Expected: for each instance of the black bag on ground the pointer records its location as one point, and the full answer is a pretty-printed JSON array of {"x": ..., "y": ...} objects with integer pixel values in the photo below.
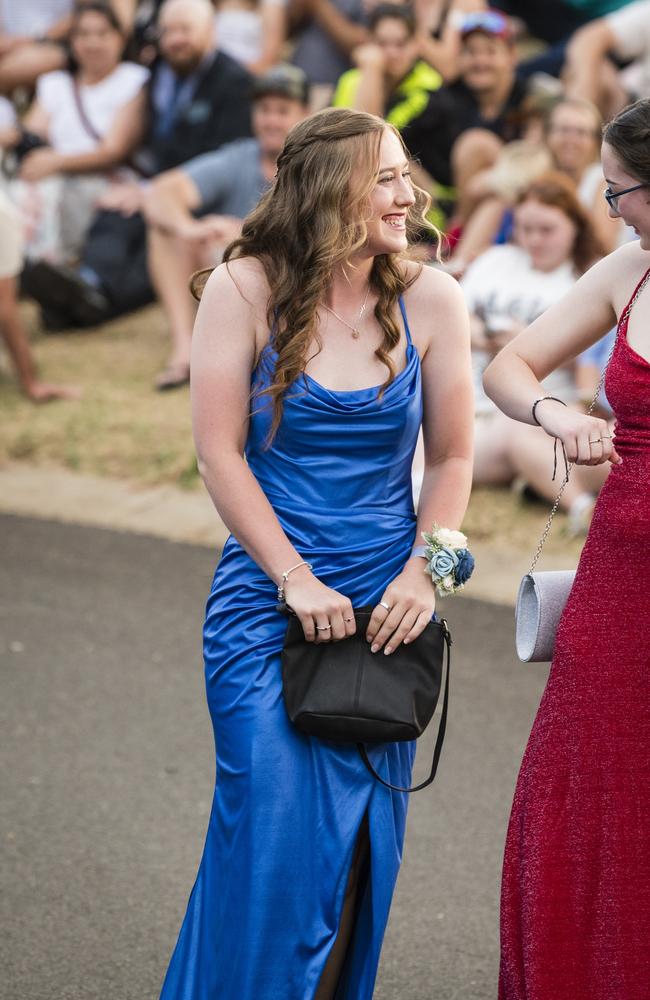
[{"x": 340, "y": 691}]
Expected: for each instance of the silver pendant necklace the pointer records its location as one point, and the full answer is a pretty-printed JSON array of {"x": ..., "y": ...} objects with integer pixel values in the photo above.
[{"x": 354, "y": 329}]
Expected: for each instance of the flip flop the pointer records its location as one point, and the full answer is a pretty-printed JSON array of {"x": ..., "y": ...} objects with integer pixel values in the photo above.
[{"x": 173, "y": 377}]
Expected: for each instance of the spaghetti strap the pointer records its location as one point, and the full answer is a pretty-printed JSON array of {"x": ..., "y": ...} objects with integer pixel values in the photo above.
[
  {"x": 406, "y": 322},
  {"x": 625, "y": 314}
]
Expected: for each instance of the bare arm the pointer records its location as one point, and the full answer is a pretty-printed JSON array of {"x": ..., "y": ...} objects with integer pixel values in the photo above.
[
  {"x": 585, "y": 55},
  {"x": 371, "y": 88},
  {"x": 346, "y": 33},
  {"x": 59, "y": 30},
  {"x": 220, "y": 388},
  {"x": 274, "y": 35},
  {"x": 583, "y": 316},
  {"x": 448, "y": 421}
]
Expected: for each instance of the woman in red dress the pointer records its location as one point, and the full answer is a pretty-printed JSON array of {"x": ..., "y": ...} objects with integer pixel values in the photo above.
[{"x": 575, "y": 906}]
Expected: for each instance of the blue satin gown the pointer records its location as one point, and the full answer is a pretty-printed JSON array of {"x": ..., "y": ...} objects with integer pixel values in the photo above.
[{"x": 265, "y": 909}]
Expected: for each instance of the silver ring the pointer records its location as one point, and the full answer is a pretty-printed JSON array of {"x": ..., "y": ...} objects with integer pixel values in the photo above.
[
  {"x": 383, "y": 604},
  {"x": 597, "y": 441},
  {"x": 322, "y": 628},
  {"x": 606, "y": 437}
]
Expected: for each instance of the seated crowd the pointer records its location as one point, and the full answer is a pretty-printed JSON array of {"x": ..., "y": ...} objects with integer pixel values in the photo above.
[{"x": 136, "y": 136}]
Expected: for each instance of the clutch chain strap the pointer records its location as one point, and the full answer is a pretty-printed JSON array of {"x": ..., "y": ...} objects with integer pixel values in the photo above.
[{"x": 601, "y": 383}]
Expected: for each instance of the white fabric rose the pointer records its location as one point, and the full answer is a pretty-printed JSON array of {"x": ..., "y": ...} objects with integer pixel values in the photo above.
[{"x": 451, "y": 539}]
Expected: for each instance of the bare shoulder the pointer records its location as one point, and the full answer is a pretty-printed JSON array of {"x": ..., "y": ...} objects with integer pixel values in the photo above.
[
  {"x": 625, "y": 269},
  {"x": 243, "y": 277},
  {"x": 611, "y": 281},
  {"x": 434, "y": 303},
  {"x": 238, "y": 293}
]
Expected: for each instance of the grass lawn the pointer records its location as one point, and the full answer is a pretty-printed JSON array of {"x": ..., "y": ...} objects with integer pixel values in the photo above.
[{"x": 123, "y": 428}]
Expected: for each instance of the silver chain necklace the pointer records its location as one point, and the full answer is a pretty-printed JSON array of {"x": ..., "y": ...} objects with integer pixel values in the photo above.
[{"x": 354, "y": 329}]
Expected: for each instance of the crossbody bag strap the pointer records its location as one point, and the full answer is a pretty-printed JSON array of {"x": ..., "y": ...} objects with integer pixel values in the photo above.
[
  {"x": 92, "y": 131},
  {"x": 440, "y": 738},
  {"x": 81, "y": 111},
  {"x": 601, "y": 383}
]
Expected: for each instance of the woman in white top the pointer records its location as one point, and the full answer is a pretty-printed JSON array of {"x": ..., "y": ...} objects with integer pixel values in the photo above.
[
  {"x": 90, "y": 119},
  {"x": 506, "y": 289},
  {"x": 253, "y": 32}
]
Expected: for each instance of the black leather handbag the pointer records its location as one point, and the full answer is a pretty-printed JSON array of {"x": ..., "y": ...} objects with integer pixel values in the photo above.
[{"x": 341, "y": 691}]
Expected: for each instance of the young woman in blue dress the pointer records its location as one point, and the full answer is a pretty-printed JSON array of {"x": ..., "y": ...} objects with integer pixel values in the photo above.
[{"x": 319, "y": 351}]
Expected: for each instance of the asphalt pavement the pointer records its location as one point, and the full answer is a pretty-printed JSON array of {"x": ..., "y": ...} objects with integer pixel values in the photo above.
[{"x": 107, "y": 775}]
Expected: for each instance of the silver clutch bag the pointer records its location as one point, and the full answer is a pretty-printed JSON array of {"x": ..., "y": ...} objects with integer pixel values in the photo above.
[
  {"x": 542, "y": 596},
  {"x": 540, "y": 603}
]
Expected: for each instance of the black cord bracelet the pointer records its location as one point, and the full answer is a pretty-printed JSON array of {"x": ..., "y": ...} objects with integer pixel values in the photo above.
[{"x": 541, "y": 400}]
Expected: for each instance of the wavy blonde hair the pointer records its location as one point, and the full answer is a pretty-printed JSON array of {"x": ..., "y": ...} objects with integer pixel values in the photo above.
[{"x": 313, "y": 219}]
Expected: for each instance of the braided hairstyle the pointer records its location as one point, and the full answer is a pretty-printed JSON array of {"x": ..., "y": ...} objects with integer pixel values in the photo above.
[
  {"x": 312, "y": 220},
  {"x": 629, "y": 136}
]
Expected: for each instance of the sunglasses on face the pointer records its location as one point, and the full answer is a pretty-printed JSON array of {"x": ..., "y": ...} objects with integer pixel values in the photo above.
[{"x": 611, "y": 197}]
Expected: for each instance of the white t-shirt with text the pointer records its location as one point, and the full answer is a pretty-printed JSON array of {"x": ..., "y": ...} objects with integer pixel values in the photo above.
[{"x": 502, "y": 286}]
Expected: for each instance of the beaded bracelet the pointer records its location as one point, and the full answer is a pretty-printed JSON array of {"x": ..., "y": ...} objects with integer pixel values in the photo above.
[{"x": 285, "y": 576}]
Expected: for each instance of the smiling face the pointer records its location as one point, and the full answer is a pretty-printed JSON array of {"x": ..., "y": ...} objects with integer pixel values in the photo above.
[
  {"x": 546, "y": 233},
  {"x": 273, "y": 117},
  {"x": 390, "y": 199},
  {"x": 573, "y": 137},
  {"x": 633, "y": 208},
  {"x": 486, "y": 63}
]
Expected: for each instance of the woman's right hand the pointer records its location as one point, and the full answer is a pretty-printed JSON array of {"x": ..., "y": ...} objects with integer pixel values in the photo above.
[
  {"x": 586, "y": 439},
  {"x": 324, "y": 614}
]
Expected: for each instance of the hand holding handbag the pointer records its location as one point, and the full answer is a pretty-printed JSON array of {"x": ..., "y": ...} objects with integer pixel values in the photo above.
[
  {"x": 543, "y": 595},
  {"x": 340, "y": 691}
]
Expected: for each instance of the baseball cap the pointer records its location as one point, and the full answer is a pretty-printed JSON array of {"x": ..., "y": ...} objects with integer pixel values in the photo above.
[
  {"x": 490, "y": 22},
  {"x": 282, "y": 80}
]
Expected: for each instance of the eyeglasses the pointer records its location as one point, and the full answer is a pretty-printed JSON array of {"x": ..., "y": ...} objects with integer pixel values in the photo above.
[{"x": 611, "y": 197}]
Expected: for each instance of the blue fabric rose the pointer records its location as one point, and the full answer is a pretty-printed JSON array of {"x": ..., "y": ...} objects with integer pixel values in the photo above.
[
  {"x": 443, "y": 563},
  {"x": 465, "y": 566}
]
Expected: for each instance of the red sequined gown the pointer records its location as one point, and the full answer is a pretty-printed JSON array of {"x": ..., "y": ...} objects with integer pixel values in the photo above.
[{"x": 575, "y": 904}]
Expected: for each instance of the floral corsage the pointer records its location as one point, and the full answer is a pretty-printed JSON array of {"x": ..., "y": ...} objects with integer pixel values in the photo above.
[{"x": 448, "y": 560}]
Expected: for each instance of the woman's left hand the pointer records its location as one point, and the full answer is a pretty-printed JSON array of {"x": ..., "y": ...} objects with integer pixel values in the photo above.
[{"x": 411, "y": 598}]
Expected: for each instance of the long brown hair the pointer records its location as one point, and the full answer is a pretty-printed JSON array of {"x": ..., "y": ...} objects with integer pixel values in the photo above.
[
  {"x": 629, "y": 136},
  {"x": 557, "y": 191},
  {"x": 312, "y": 220}
]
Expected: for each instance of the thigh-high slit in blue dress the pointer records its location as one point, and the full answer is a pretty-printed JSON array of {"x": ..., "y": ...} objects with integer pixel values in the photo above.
[{"x": 265, "y": 909}]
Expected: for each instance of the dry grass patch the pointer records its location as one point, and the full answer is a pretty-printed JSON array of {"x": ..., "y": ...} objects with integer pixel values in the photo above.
[
  {"x": 125, "y": 429},
  {"x": 122, "y": 427}
]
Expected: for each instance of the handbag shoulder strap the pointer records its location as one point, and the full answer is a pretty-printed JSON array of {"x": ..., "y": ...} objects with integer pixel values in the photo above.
[
  {"x": 441, "y": 730},
  {"x": 590, "y": 410},
  {"x": 88, "y": 126}
]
